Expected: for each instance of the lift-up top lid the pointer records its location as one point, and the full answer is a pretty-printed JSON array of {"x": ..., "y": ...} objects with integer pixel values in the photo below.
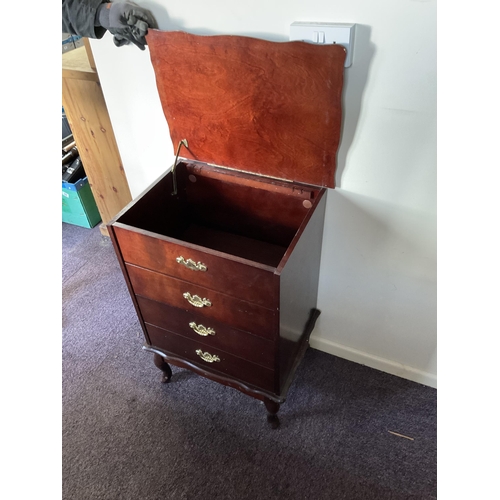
[{"x": 270, "y": 108}]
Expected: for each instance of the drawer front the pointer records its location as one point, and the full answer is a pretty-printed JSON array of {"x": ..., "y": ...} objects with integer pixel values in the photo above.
[
  {"x": 211, "y": 333},
  {"x": 233, "y": 278},
  {"x": 239, "y": 314},
  {"x": 223, "y": 363}
]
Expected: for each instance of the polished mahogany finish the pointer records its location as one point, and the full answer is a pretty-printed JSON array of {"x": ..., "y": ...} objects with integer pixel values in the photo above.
[
  {"x": 236, "y": 367},
  {"x": 237, "y": 313},
  {"x": 252, "y": 282},
  {"x": 223, "y": 269},
  {"x": 160, "y": 363},
  {"x": 260, "y": 337},
  {"x": 189, "y": 324},
  {"x": 269, "y": 108}
]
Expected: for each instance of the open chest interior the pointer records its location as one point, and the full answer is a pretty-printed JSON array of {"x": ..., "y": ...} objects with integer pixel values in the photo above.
[{"x": 234, "y": 213}]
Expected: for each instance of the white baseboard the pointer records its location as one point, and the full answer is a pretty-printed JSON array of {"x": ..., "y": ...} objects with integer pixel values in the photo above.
[{"x": 381, "y": 364}]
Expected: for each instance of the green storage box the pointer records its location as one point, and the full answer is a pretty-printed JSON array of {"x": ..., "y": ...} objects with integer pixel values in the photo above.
[{"x": 78, "y": 204}]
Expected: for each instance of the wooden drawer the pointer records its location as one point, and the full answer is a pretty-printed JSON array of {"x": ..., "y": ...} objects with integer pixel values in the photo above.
[
  {"x": 239, "y": 314},
  {"x": 253, "y": 283},
  {"x": 233, "y": 366},
  {"x": 241, "y": 344}
]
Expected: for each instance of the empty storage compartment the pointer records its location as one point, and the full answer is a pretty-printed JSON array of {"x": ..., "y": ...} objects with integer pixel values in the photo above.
[{"x": 227, "y": 211}]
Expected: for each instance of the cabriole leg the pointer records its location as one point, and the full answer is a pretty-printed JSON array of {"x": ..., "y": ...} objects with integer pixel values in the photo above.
[
  {"x": 272, "y": 408},
  {"x": 164, "y": 367}
]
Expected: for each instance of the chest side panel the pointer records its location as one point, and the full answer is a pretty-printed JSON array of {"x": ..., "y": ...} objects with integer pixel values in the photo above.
[{"x": 298, "y": 294}]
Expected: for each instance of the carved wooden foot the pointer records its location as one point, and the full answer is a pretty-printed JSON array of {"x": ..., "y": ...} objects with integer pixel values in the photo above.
[
  {"x": 164, "y": 367},
  {"x": 272, "y": 408}
]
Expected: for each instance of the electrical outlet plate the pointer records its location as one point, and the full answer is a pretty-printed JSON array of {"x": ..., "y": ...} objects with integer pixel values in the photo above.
[{"x": 323, "y": 33}]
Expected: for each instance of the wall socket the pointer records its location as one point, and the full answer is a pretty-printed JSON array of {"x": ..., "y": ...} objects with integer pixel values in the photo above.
[{"x": 324, "y": 33}]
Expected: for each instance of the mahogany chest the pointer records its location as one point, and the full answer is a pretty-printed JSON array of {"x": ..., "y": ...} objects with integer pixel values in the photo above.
[{"x": 221, "y": 254}]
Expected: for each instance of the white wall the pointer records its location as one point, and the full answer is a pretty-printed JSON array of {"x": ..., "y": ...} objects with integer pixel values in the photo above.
[{"x": 378, "y": 269}]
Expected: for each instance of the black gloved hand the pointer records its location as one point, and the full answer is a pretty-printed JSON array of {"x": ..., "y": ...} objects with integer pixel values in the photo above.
[
  {"x": 125, "y": 36},
  {"x": 126, "y": 21}
]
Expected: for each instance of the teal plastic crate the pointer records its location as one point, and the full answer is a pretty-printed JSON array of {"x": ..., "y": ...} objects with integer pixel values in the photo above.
[{"x": 78, "y": 204}]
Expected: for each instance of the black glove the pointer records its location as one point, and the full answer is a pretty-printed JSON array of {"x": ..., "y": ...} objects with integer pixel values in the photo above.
[
  {"x": 126, "y": 21},
  {"x": 125, "y": 36}
]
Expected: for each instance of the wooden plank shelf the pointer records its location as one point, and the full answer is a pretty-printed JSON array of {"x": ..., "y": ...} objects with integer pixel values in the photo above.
[{"x": 88, "y": 117}]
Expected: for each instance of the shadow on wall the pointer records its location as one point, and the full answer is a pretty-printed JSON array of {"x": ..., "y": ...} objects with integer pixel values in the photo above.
[
  {"x": 377, "y": 289},
  {"x": 355, "y": 78},
  {"x": 162, "y": 16}
]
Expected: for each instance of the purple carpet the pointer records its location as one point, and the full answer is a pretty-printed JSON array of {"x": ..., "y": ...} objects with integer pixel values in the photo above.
[{"x": 127, "y": 436}]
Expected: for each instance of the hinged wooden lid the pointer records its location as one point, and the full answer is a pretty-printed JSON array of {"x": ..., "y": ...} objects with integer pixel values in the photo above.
[{"x": 270, "y": 108}]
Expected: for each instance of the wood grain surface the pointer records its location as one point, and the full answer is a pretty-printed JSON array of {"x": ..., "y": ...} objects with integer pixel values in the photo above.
[
  {"x": 244, "y": 345},
  {"x": 264, "y": 107},
  {"x": 235, "y": 312},
  {"x": 231, "y": 365},
  {"x": 230, "y": 277},
  {"x": 89, "y": 120}
]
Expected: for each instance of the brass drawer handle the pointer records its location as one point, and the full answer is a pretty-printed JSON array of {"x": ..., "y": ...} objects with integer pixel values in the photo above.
[
  {"x": 196, "y": 301},
  {"x": 206, "y": 356},
  {"x": 202, "y": 330},
  {"x": 191, "y": 264}
]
